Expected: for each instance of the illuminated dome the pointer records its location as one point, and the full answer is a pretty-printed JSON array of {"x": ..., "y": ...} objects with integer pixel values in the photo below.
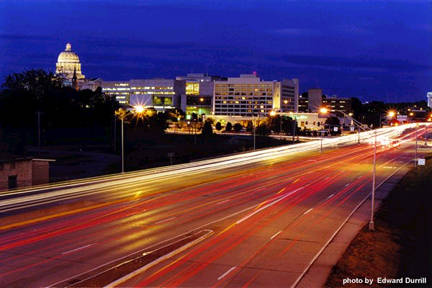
[{"x": 68, "y": 63}]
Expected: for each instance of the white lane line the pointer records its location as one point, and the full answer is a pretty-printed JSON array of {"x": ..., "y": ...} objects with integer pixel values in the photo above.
[
  {"x": 268, "y": 205},
  {"x": 77, "y": 249},
  {"x": 226, "y": 273},
  {"x": 219, "y": 203},
  {"x": 308, "y": 211},
  {"x": 294, "y": 285},
  {"x": 165, "y": 220},
  {"x": 159, "y": 260},
  {"x": 330, "y": 196},
  {"x": 271, "y": 238},
  {"x": 347, "y": 184}
]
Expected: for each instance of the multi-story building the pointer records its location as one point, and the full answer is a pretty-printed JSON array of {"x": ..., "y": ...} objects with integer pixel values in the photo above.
[
  {"x": 289, "y": 96},
  {"x": 335, "y": 104},
  {"x": 303, "y": 100},
  {"x": 160, "y": 94},
  {"x": 314, "y": 99},
  {"x": 198, "y": 96},
  {"x": 429, "y": 99},
  {"x": 310, "y": 102},
  {"x": 118, "y": 89},
  {"x": 245, "y": 96}
]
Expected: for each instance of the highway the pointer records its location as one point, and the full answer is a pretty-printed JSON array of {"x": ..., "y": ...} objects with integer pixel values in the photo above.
[{"x": 255, "y": 219}]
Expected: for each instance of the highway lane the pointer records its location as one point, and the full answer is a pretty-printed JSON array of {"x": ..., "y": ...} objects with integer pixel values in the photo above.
[
  {"x": 271, "y": 248},
  {"x": 133, "y": 218}
]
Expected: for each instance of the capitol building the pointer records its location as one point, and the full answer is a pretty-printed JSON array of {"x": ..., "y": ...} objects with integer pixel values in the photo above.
[{"x": 68, "y": 64}]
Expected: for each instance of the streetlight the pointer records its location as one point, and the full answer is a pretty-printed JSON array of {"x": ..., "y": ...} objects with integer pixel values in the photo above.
[
  {"x": 122, "y": 114},
  {"x": 391, "y": 113},
  {"x": 415, "y": 155},
  {"x": 322, "y": 110},
  {"x": 371, "y": 221}
]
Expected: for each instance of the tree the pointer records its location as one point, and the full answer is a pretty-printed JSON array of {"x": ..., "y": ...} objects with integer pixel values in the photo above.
[
  {"x": 276, "y": 123},
  {"x": 238, "y": 127},
  {"x": 228, "y": 127},
  {"x": 331, "y": 123},
  {"x": 249, "y": 126},
  {"x": 262, "y": 129},
  {"x": 207, "y": 129},
  {"x": 218, "y": 126}
]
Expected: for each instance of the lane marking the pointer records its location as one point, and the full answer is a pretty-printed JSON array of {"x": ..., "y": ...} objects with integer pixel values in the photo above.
[
  {"x": 159, "y": 260},
  {"x": 330, "y": 196},
  {"x": 165, "y": 220},
  {"x": 347, "y": 184},
  {"x": 219, "y": 203},
  {"x": 77, "y": 249},
  {"x": 307, "y": 268},
  {"x": 271, "y": 238},
  {"x": 268, "y": 205},
  {"x": 226, "y": 273},
  {"x": 308, "y": 211}
]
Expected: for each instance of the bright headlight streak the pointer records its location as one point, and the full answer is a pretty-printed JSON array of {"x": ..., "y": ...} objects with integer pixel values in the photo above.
[{"x": 211, "y": 164}]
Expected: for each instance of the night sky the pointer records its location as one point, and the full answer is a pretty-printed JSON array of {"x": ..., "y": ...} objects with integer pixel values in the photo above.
[{"x": 373, "y": 50}]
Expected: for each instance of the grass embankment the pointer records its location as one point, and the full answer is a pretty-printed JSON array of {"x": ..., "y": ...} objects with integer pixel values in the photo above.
[{"x": 401, "y": 244}]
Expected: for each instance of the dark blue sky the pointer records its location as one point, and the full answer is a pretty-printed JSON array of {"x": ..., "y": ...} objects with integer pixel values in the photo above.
[{"x": 377, "y": 49}]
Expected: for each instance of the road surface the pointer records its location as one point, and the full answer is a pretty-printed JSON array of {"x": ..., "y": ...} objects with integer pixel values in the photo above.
[{"x": 250, "y": 222}]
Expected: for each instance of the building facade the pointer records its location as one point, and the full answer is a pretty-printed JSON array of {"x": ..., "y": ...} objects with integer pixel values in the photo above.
[
  {"x": 335, "y": 104},
  {"x": 246, "y": 96},
  {"x": 429, "y": 99},
  {"x": 314, "y": 99},
  {"x": 289, "y": 96},
  {"x": 16, "y": 172},
  {"x": 120, "y": 90},
  {"x": 160, "y": 94},
  {"x": 198, "y": 96}
]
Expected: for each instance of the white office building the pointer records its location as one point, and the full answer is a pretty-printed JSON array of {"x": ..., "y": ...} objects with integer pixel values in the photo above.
[
  {"x": 160, "y": 94},
  {"x": 429, "y": 99},
  {"x": 245, "y": 96}
]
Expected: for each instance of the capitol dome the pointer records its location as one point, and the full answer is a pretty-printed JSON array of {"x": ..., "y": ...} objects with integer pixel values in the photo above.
[{"x": 68, "y": 63}]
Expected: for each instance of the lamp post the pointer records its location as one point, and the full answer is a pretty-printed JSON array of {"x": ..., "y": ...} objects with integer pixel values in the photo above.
[
  {"x": 322, "y": 110},
  {"x": 121, "y": 114},
  {"x": 371, "y": 221},
  {"x": 416, "y": 141},
  {"x": 122, "y": 146}
]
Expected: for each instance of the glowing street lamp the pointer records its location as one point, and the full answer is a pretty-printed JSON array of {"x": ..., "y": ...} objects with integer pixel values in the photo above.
[
  {"x": 323, "y": 110},
  {"x": 139, "y": 109},
  {"x": 391, "y": 113},
  {"x": 273, "y": 113}
]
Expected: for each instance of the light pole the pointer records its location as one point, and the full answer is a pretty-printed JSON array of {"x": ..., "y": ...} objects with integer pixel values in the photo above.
[
  {"x": 371, "y": 221},
  {"x": 121, "y": 114},
  {"x": 415, "y": 155},
  {"x": 321, "y": 143},
  {"x": 122, "y": 146}
]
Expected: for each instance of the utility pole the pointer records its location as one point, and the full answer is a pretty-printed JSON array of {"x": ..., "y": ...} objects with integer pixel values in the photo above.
[
  {"x": 371, "y": 222},
  {"x": 415, "y": 155},
  {"x": 122, "y": 147},
  {"x": 321, "y": 143}
]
